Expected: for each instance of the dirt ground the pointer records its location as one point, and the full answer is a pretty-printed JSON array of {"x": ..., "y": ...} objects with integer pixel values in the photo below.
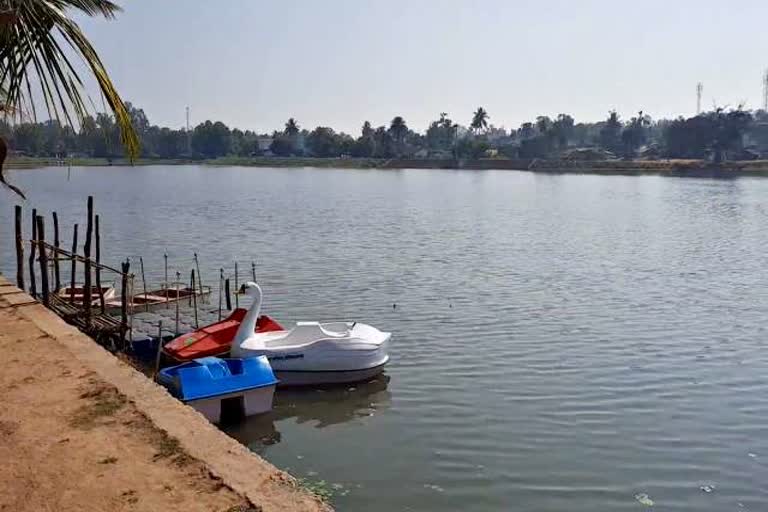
[{"x": 69, "y": 441}]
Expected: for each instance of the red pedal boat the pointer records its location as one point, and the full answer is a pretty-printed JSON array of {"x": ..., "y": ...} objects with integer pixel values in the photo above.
[{"x": 215, "y": 339}]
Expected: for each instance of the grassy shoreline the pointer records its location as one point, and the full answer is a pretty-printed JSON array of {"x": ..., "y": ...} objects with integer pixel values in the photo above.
[{"x": 603, "y": 167}]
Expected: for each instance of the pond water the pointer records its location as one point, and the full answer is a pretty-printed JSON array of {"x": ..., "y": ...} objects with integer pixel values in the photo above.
[{"x": 561, "y": 342}]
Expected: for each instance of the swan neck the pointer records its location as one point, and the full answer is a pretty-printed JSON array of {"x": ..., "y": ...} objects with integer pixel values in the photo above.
[{"x": 248, "y": 326}]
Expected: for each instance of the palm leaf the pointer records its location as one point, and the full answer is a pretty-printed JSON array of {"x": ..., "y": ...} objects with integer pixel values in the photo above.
[{"x": 37, "y": 41}]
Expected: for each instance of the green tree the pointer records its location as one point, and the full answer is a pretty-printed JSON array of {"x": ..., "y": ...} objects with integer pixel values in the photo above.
[
  {"x": 38, "y": 41},
  {"x": 324, "y": 142},
  {"x": 543, "y": 124},
  {"x": 526, "y": 131},
  {"x": 479, "y": 120},
  {"x": 365, "y": 145},
  {"x": 441, "y": 134},
  {"x": 292, "y": 127},
  {"x": 398, "y": 130},
  {"x": 634, "y": 134},
  {"x": 610, "y": 133},
  {"x": 211, "y": 140},
  {"x": 563, "y": 128}
]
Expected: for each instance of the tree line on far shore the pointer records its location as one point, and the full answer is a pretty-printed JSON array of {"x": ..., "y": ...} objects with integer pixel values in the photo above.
[{"x": 720, "y": 134}]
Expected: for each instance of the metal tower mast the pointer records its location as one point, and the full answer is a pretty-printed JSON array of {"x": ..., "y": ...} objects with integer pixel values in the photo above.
[
  {"x": 699, "y": 90},
  {"x": 765, "y": 90},
  {"x": 189, "y": 135}
]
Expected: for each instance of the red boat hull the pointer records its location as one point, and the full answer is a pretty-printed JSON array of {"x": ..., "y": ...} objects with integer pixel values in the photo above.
[{"x": 215, "y": 339}]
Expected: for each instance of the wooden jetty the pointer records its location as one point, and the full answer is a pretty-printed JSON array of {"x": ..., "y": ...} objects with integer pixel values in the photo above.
[
  {"x": 96, "y": 307},
  {"x": 76, "y": 304}
]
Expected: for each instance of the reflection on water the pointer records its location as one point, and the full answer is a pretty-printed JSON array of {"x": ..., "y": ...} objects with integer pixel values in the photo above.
[{"x": 317, "y": 407}]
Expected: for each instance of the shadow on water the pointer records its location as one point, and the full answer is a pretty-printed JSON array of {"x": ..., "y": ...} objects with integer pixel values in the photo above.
[{"x": 322, "y": 407}]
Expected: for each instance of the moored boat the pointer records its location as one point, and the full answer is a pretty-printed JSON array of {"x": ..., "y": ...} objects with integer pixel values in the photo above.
[
  {"x": 152, "y": 300},
  {"x": 313, "y": 353},
  {"x": 214, "y": 339},
  {"x": 76, "y": 294},
  {"x": 211, "y": 384}
]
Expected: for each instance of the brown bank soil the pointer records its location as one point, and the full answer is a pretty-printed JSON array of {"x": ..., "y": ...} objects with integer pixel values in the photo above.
[{"x": 70, "y": 440}]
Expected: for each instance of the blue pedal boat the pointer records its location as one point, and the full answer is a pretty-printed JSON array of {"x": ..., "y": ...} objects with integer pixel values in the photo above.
[{"x": 207, "y": 383}]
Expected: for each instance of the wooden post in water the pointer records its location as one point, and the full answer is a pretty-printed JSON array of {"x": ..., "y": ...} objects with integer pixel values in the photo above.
[
  {"x": 159, "y": 348},
  {"x": 144, "y": 283},
  {"x": 199, "y": 276},
  {"x": 194, "y": 298},
  {"x": 57, "y": 245},
  {"x": 178, "y": 281},
  {"x": 43, "y": 259},
  {"x": 125, "y": 267},
  {"x": 253, "y": 270},
  {"x": 237, "y": 287},
  {"x": 19, "y": 249},
  {"x": 221, "y": 285},
  {"x": 102, "y": 305},
  {"x": 87, "y": 254},
  {"x": 191, "y": 287},
  {"x": 165, "y": 258},
  {"x": 73, "y": 270},
  {"x": 32, "y": 248},
  {"x": 227, "y": 294}
]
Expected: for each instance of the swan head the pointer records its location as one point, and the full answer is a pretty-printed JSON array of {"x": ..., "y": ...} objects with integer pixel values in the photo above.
[{"x": 251, "y": 289}]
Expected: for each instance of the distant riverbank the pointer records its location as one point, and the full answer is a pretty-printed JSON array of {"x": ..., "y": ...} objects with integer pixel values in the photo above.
[{"x": 603, "y": 167}]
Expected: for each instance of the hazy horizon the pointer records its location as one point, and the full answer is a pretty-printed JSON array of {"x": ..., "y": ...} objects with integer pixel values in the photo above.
[{"x": 339, "y": 63}]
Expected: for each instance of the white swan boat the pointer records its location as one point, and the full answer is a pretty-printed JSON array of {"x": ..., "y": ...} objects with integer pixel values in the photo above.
[{"x": 313, "y": 353}]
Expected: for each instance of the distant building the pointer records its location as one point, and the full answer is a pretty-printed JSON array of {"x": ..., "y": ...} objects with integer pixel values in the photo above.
[{"x": 264, "y": 143}]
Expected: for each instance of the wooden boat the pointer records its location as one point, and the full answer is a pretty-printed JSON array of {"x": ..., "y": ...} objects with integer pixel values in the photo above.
[
  {"x": 153, "y": 300},
  {"x": 76, "y": 295},
  {"x": 214, "y": 339}
]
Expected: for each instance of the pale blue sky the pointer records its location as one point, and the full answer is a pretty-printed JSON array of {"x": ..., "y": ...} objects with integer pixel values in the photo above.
[{"x": 253, "y": 64}]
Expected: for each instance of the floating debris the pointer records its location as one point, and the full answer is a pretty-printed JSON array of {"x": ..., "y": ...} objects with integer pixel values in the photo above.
[
  {"x": 433, "y": 487},
  {"x": 644, "y": 499},
  {"x": 707, "y": 488},
  {"x": 752, "y": 455}
]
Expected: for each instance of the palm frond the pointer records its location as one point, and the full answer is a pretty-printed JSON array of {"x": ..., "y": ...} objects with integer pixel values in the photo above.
[{"x": 37, "y": 44}]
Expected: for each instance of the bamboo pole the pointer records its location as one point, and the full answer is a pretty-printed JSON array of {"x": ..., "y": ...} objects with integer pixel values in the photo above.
[
  {"x": 221, "y": 286},
  {"x": 237, "y": 287},
  {"x": 165, "y": 258},
  {"x": 32, "y": 248},
  {"x": 43, "y": 259},
  {"x": 194, "y": 299},
  {"x": 102, "y": 304},
  {"x": 125, "y": 266},
  {"x": 19, "y": 248},
  {"x": 144, "y": 283},
  {"x": 191, "y": 287},
  {"x": 57, "y": 245},
  {"x": 87, "y": 253},
  {"x": 227, "y": 294},
  {"x": 73, "y": 270},
  {"x": 199, "y": 276},
  {"x": 159, "y": 348},
  {"x": 178, "y": 278}
]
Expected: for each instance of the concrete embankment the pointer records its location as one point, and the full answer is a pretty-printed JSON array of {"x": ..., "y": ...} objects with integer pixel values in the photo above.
[{"x": 82, "y": 431}]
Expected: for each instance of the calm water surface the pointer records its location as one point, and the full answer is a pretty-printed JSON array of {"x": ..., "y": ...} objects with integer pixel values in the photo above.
[{"x": 562, "y": 343}]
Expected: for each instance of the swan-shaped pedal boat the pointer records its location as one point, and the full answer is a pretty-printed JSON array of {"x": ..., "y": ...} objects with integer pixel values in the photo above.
[{"x": 313, "y": 353}]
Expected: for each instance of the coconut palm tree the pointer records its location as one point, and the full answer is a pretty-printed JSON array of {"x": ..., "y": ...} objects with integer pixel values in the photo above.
[
  {"x": 292, "y": 127},
  {"x": 39, "y": 42},
  {"x": 479, "y": 119}
]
